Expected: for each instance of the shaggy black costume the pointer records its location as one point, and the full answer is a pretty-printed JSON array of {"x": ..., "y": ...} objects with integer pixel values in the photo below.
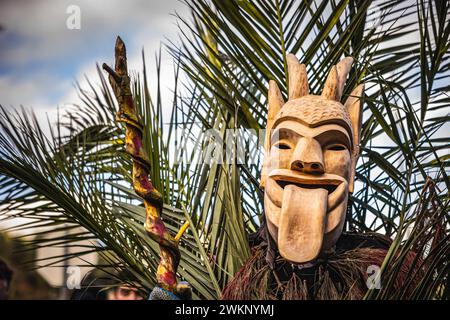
[{"x": 341, "y": 275}]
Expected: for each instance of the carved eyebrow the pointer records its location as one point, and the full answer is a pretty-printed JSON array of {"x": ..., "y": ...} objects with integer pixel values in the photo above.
[
  {"x": 329, "y": 136},
  {"x": 334, "y": 136},
  {"x": 283, "y": 133}
]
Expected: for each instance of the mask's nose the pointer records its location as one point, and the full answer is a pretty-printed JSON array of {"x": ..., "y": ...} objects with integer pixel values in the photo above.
[{"x": 308, "y": 157}]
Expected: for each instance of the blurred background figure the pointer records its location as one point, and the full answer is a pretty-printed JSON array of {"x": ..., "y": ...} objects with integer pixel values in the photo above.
[
  {"x": 126, "y": 287},
  {"x": 27, "y": 283},
  {"x": 124, "y": 292},
  {"x": 5, "y": 280},
  {"x": 98, "y": 285}
]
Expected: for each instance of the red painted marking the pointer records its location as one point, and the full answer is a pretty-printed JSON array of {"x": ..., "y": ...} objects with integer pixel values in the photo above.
[
  {"x": 168, "y": 277},
  {"x": 130, "y": 103},
  {"x": 146, "y": 183},
  {"x": 158, "y": 228},
  {"x": 137, "y": 145}
]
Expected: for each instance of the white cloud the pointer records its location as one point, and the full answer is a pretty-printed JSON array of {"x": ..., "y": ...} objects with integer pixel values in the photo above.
[
  {"x": 41, "y": 33},
  {"x": 59, "y": 56},
  {"x": 30, "y": 91},
  {"x": 134, "y": 53}
]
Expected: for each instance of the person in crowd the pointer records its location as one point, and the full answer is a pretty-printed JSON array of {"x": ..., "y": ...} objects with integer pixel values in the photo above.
[
  {"x": 107, "y": 287},
  {"x": 5, "y": 280}
]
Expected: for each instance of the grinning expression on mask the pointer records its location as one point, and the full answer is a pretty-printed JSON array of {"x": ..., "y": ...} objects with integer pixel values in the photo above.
[{"x": 312, "y": 145}]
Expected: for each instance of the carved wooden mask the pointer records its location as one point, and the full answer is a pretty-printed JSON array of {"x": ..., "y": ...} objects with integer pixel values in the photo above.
[{"x": 311, "y": 150}]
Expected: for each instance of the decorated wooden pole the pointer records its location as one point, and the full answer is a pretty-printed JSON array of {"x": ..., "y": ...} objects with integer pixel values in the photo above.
[{"x": 154, "y": 226}]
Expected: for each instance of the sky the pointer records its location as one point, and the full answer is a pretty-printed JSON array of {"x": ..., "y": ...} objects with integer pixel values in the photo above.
[{"x": 45, "y": 49}]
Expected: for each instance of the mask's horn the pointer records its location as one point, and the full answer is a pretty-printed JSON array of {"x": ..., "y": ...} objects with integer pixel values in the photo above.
[
  {"x": 330, "y": 89},
  {"x": 298, "y": 79},
  {"x": 275, "y": 103},
  {"x": 334, "y": 86},
  {"x": 354, "y": 108},
  {"x": 343, "y": 68}
]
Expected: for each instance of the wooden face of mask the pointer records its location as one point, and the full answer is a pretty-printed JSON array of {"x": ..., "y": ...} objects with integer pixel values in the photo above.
[
  {"x": 307, "y": 188},
  {"x": 309, "y": 166}
]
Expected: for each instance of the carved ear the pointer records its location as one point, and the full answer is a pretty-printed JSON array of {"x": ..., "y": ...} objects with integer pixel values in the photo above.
[
  {"x": 354, "y": 108},
  {"x": 343, "y": 68},
  {"x": 298, "y": 78},
  {"x": 275, "y": 103}
]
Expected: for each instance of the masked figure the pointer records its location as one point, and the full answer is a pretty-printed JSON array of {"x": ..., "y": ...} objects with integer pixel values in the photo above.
[
  {"x": 311, "y": 150},
  {"x": 312, "y": 145}
]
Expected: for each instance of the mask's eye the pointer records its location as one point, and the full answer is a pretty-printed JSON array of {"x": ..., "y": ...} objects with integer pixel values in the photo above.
[
  {"x": 337, "y": 147},
  {"x": 281, "y": 145}
]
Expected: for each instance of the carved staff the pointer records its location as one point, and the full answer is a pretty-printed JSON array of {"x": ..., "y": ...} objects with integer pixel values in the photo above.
[{"x": 154, "y": 226}]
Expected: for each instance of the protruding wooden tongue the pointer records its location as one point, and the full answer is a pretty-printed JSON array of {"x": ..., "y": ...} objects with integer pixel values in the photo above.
[{"x": 302, "y": 223}]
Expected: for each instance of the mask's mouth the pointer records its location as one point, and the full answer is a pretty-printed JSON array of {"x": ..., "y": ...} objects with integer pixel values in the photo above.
[
  {"x": 304, "y": 201},
  {"x": 329, "y": 187},
  {"x": 278, "y": 179}
]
